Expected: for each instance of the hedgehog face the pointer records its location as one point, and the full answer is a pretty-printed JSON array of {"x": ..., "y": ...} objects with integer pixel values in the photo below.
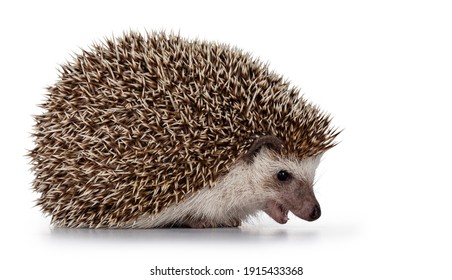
[
  {"x": 294, "y": 183},
  {"x": 289, "y": 183}
]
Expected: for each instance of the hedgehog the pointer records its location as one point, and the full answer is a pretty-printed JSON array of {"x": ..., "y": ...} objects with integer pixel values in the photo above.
[{"x": 150, "y": 130}]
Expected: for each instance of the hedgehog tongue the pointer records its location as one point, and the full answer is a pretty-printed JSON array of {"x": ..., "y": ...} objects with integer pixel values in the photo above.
[{"x": 277, "y": 211}]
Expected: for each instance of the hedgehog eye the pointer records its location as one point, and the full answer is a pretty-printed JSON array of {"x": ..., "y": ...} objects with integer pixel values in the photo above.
[{"x": 283, "y": 175}]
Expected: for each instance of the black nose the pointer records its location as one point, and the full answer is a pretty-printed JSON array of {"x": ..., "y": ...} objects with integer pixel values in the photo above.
[{"x": 316, "y": 212}]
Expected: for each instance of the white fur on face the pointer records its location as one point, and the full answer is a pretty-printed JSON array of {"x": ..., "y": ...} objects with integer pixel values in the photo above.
[{"x": 236, "y": 196}]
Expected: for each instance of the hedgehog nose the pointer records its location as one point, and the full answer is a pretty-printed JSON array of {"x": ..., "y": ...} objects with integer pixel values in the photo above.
[{"x": 316, "y": 212}]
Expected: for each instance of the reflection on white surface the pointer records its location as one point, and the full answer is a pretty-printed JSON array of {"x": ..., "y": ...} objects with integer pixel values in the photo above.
[
  {"x": 246, "y": 233},
  {"x": 176, "y": 234}
]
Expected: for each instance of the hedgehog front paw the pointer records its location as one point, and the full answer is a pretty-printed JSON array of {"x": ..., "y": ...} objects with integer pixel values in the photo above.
[
  {"x": 200, "y": 224},
  {"x": 210, "y": 224},
  {"x": 232, "y": 223}
]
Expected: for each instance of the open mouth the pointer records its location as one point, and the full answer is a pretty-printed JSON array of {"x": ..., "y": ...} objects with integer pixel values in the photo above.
[{"x": 277, "y": 211}]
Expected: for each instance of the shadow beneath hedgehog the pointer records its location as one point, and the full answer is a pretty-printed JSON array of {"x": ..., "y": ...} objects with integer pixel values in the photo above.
[{"x": 245, "y": 233}]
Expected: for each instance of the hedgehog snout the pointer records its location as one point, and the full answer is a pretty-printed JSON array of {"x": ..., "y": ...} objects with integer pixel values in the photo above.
[
  {"x": 315, "y": 213},
  {"x": 299, "y": 198},
  {"x": 309, "y": 211}
]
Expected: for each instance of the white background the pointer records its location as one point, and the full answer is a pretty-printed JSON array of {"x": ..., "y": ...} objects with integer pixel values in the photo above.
[{"x": 383, "y": 69}]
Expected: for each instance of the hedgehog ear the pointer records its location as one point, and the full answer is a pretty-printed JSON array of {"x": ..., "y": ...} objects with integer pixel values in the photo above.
[{"x": 269, "y": 141}]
